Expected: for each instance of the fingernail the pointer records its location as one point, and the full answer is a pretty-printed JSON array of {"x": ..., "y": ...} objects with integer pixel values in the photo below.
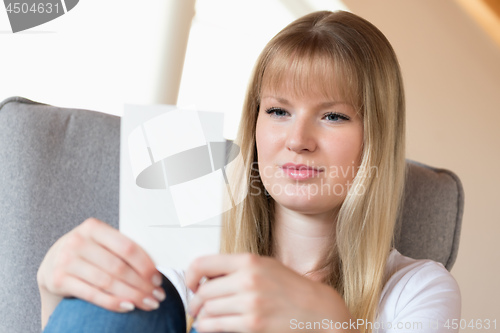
[
  {"x": 157, "y": 280},
  {"x": 159, "y": 294},
  {"x": 151, "y": 303},
  {"x": 127, "y": 306}
]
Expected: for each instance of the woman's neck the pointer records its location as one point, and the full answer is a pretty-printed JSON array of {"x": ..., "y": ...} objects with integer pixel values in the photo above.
[{"x": 301, "y": 241}]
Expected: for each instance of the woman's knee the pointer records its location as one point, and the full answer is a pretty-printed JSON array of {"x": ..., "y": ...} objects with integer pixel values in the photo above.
[{"x": 76, "y": 315}]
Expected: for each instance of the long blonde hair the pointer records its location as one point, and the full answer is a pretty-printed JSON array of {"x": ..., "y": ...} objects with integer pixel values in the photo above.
[{"x": 344, "y": 51}]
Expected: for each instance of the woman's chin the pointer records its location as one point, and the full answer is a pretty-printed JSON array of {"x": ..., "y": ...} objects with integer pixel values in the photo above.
[{"x": 306, "y": 203}]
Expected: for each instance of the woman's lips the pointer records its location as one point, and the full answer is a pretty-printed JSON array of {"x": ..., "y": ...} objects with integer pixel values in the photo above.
[{"x": 300, "y": 171}]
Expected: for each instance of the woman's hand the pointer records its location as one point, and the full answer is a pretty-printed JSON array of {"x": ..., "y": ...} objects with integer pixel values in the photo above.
[
  {"x": 248, "y": 293},
  {"x": 97, "y": 263}
]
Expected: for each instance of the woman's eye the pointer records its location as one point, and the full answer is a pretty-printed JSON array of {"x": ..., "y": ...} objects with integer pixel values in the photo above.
[
  {"x": 278, "y": 112},
  {"x": 336, "y": 117}
]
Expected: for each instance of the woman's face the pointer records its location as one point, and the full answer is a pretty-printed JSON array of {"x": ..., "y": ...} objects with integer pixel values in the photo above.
[{"x": 309, "y": 149}]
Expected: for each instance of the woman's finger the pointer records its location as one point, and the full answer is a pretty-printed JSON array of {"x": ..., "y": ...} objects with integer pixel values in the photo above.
[
  {"x": 124, "y": 248},
  {"x": 103, "y": 281},
  {"x": 91, "y": 294},
  {"x": 114, "y": 266},
  {"x": 232, "y": 305},
  {"x": 218, "y": 265},
  {"x": 234, "y": 323},
  {"x": 215, "y": 288}
]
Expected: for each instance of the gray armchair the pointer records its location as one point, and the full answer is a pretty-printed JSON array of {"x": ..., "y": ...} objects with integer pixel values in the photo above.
[{"x": 60, "y": 166}]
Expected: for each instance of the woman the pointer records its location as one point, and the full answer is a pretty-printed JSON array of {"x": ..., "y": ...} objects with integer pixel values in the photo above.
[{"x": 309, "y": 248}]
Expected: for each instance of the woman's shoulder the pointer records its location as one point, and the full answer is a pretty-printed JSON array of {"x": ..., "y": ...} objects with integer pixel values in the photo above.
[
  {"x": 420, "y": 291},
  {"x": 400, "y": 267}
]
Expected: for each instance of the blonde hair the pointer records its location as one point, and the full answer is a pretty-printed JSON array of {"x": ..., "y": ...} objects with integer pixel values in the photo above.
[{"x": 338, "y": 53}]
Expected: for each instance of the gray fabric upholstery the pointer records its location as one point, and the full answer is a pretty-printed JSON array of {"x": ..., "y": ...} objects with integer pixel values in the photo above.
[
  {"x": 57, "y": 168},
  {"x": 60, "y": 166},
  {"x": 431, "y": 216}
]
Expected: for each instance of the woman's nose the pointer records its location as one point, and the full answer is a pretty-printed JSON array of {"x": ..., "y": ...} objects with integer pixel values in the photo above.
[{"x": 301, "y": 136}]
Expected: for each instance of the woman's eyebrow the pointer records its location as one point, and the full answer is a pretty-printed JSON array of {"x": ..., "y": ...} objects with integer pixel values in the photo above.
[
  {"x": 320, "y": 105},
  {"x": 332, "y": 103},
  {"x": 277, "y": 98}
]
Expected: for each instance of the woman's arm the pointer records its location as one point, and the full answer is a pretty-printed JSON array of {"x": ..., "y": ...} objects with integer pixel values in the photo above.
[
  {"x": 248, "y": 293},
  {"x": 97, "y": 263}
]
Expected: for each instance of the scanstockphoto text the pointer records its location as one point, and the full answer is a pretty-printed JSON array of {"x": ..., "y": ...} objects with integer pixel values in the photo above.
[
  {"x": 361, "y": 323},
  {"x": 367, "y": 325},
  {"x": 450, "y": 324}
]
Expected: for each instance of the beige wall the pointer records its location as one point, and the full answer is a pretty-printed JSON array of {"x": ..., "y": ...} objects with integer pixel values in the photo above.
[{"x": 452, "y": 78}]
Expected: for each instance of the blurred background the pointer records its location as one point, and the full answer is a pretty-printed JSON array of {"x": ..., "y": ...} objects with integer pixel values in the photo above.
[{"x": 199, "y": 55}]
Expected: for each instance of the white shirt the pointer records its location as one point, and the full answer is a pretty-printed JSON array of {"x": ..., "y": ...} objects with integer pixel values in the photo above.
[{"x": 419, "y": 296}]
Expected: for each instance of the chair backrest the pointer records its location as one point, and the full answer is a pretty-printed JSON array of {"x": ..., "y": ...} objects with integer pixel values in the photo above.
[
  {"x": 57, "y": 168},
  {"x": 431, "y": 216},
  {"x": 60, "y": 166}
]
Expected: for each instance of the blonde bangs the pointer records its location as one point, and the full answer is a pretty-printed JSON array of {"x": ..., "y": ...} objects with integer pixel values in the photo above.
[{"x": 309, "y": 69}]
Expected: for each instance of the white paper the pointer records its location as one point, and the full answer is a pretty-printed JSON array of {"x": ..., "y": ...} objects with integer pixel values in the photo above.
[{"x": 172, "y": 180}]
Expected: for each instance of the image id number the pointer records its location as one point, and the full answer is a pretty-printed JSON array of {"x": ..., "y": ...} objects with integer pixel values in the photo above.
[
  {"x": 23, "y": 7},
  {"x": 474, "y": 324}
]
